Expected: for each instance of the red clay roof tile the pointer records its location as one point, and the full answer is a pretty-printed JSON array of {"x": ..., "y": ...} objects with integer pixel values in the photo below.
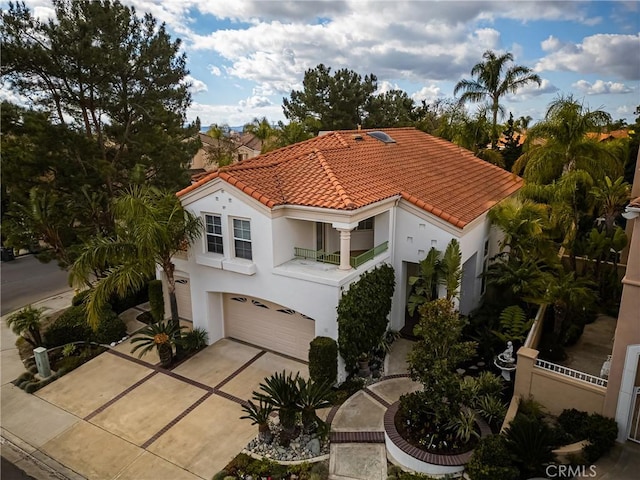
[{"x": 339, "y": 172}]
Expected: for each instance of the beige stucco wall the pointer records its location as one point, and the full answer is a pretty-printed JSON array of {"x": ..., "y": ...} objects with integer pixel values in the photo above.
[
  {"x": 628, "y": 326},
  {"x": 553, "y": 390}
]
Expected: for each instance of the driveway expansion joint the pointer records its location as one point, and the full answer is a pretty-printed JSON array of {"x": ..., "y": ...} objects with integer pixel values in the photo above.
[
  {"x": 239, "y": 370},
  {"x": 119, "y": 396},
  {"x": 377, "y": 397}
]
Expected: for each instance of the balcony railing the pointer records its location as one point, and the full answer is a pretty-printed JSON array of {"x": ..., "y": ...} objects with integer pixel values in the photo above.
[
  {"x": 569, "y": 372},
  {"x": 334, "y": 258}
]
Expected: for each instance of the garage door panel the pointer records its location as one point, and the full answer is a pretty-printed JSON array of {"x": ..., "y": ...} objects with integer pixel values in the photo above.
[
  {"x": 183, "y": 297},
  {"x": 261, "y": 323}
]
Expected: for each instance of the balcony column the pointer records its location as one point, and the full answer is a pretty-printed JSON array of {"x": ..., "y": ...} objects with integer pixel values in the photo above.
[{"x": 345, "y": 248}]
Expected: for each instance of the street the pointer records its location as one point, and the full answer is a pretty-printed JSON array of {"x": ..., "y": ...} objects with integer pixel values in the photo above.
[{"x": 26, "y": 280}]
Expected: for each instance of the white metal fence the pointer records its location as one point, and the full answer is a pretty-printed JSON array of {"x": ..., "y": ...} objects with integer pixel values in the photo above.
[{"x": 570, "y": 372}]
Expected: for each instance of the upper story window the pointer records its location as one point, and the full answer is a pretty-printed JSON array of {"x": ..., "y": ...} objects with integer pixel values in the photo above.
[
  {"x": 213, "y": 225},
  {"x": 366, "y": 224},
  {"x": 242, "y": 238}
]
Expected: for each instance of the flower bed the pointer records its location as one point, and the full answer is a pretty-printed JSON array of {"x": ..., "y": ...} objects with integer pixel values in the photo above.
[{"x": 419, "y": 460}]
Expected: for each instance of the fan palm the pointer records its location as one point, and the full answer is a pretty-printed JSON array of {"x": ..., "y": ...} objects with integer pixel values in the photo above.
[
  {"x": 26, "y": 323},
  {"x": 493, "y": 81},
  {"x": 162, "y": 336},
  {"x": 566, "y": 291},
  {"x": 151, "y": 227}
]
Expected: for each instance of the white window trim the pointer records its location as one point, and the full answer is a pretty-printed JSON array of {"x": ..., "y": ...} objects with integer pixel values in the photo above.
[
  {"x": 234, "y": 238},
  {"x": 206, "y": 234}
]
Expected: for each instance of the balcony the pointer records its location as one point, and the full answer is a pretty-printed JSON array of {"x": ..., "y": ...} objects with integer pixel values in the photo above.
[{"x": 334, "y": 258}]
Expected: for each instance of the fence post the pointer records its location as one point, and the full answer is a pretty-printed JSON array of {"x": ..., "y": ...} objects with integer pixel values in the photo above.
[{"x": 524, "y": 371}]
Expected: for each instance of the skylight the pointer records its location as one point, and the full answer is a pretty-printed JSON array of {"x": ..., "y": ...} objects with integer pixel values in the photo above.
[{"x": 383, "y": 137}]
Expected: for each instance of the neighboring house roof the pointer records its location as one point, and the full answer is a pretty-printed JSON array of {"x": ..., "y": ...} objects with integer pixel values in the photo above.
[
  {"x": 613, "y": 135},
  {"x": 345, "y": 170},
  {"x": 249, "y": 140}
]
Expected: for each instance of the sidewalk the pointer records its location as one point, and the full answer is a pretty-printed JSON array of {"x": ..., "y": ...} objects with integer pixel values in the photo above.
[{"x": 20, "y": 452}]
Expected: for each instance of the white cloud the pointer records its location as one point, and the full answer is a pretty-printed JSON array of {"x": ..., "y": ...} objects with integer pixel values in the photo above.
[
  {"x": 531, "y": 90},
  {"x": 234, "y": 115},
  {"x": 602, "y": 53},
  {"x": 215, "y": 70},
  {"x": 601, "y": 87},
  {"x": 428, "y": 93},
  {"x": 196, "y": 86},
  {"x": 385, "y": 86},
  {"x": 256, "y": 101}
]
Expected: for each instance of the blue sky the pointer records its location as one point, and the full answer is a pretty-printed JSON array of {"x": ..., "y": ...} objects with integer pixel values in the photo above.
[{"x": 246, "y": 55}]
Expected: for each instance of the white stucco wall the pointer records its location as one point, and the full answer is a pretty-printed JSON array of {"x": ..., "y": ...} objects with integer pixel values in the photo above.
[
  {"x": 273, "y": 242},
  {"x": 213, "y": 274}
]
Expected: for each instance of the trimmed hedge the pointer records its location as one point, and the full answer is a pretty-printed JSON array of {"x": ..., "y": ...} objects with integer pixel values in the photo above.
[
  {"x": 323, "y": 360},
  {"x": 72, "y": 326},
  {"x": 156, "y": 300},
  {"x": 599, "y": 430},
  {"x": 69, "y": 327},
  {"x": 491, "y": 460}
]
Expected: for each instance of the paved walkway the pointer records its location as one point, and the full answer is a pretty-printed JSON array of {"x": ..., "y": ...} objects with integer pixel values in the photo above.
[{"x": 357, "y": 427}]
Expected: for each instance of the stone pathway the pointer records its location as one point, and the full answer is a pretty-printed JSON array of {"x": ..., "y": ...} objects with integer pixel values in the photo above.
[{"x": 357, "y": 427}]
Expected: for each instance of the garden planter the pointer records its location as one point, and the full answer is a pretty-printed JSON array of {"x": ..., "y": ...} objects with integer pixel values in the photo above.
[{"x": 408, "y": 456}]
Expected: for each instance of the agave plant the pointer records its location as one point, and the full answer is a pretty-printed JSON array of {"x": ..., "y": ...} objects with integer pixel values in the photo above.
[
  {"x": 259, "y": 415},
  {"x": 161, "y": 335},
  {"x": 312, "y": 396},
  {"x": 281, "y": 390}
]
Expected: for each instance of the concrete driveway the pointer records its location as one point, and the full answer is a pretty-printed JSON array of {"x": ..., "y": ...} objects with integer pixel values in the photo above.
[{"x": 118, "y": 417}]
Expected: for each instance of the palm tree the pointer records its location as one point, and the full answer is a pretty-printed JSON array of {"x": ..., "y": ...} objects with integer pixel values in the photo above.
[
  {"x": 261, "y": 128},
  {"x": 151, "y": 227},
  {"x": 561, "y": 144},
  {"x": 492, "y": 82},
  {"x": 259, "y": 415},
  {"x": 281, "y": 390},
  {"x": 425, "y": 284},
  {"x": 525, "y": 225},
  {"x": 161, "y": 335},
  {"x": 26, "y": 323},
  {"x": 610, "y": 199},
  {"x": 312, "y": 396},
  {"x": 563, "y": 160},
  {"x": 566, "y": 291}
]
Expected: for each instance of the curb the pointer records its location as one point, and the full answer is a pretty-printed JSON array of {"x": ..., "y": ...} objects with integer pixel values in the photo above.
[{"x": 38, "y": 458}]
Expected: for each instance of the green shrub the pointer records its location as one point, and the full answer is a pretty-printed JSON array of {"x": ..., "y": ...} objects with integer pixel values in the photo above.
[
  {"x": 120, "y": 304},
  {"x": 574, "y": 421},
  {"x": 529, "y": 441},
  {"x": 110, "y": 329},
  {"x": 69, "y": 327},
  {"x": 221, "y": 475},
  {"x": 323, "y": 360},
  {"x": 601, "y": 433},
  {"x": 491, "y": 460},
  {"x": 194, "y": 340},
  {"x": 156, "y": 300},
  {"x": 31, "y": 387},
  {"x": 362, "y": 314},
  {"x": 79, "y": 298}
]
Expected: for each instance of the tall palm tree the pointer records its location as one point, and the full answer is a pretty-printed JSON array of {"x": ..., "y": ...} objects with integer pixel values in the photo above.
[
  {"x": 566, "y": 291},
  {"x": 450, "y": 269},
  {"x": 563, "y": 143},
  {"x": 563, "y": 160},
  {"x": 261, "y": 128},
  {"x": 493, "y": 81},
  {"x": 151, "y": 227}
]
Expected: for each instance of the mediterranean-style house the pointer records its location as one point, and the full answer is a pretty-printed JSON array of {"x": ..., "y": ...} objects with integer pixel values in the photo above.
[
  {"x": 240, "y": 146},
  {"x": 286, "y": 232}
]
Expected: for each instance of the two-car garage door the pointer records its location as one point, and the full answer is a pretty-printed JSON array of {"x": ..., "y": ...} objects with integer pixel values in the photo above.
[{"x": 268, "y": 325}]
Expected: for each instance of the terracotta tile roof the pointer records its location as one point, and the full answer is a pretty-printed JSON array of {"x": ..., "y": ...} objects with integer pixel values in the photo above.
[{"x": 345, "y": 170}]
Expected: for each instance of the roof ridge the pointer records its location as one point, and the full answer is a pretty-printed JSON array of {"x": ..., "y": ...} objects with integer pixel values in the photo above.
[{"x": 334, "y": 181}]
